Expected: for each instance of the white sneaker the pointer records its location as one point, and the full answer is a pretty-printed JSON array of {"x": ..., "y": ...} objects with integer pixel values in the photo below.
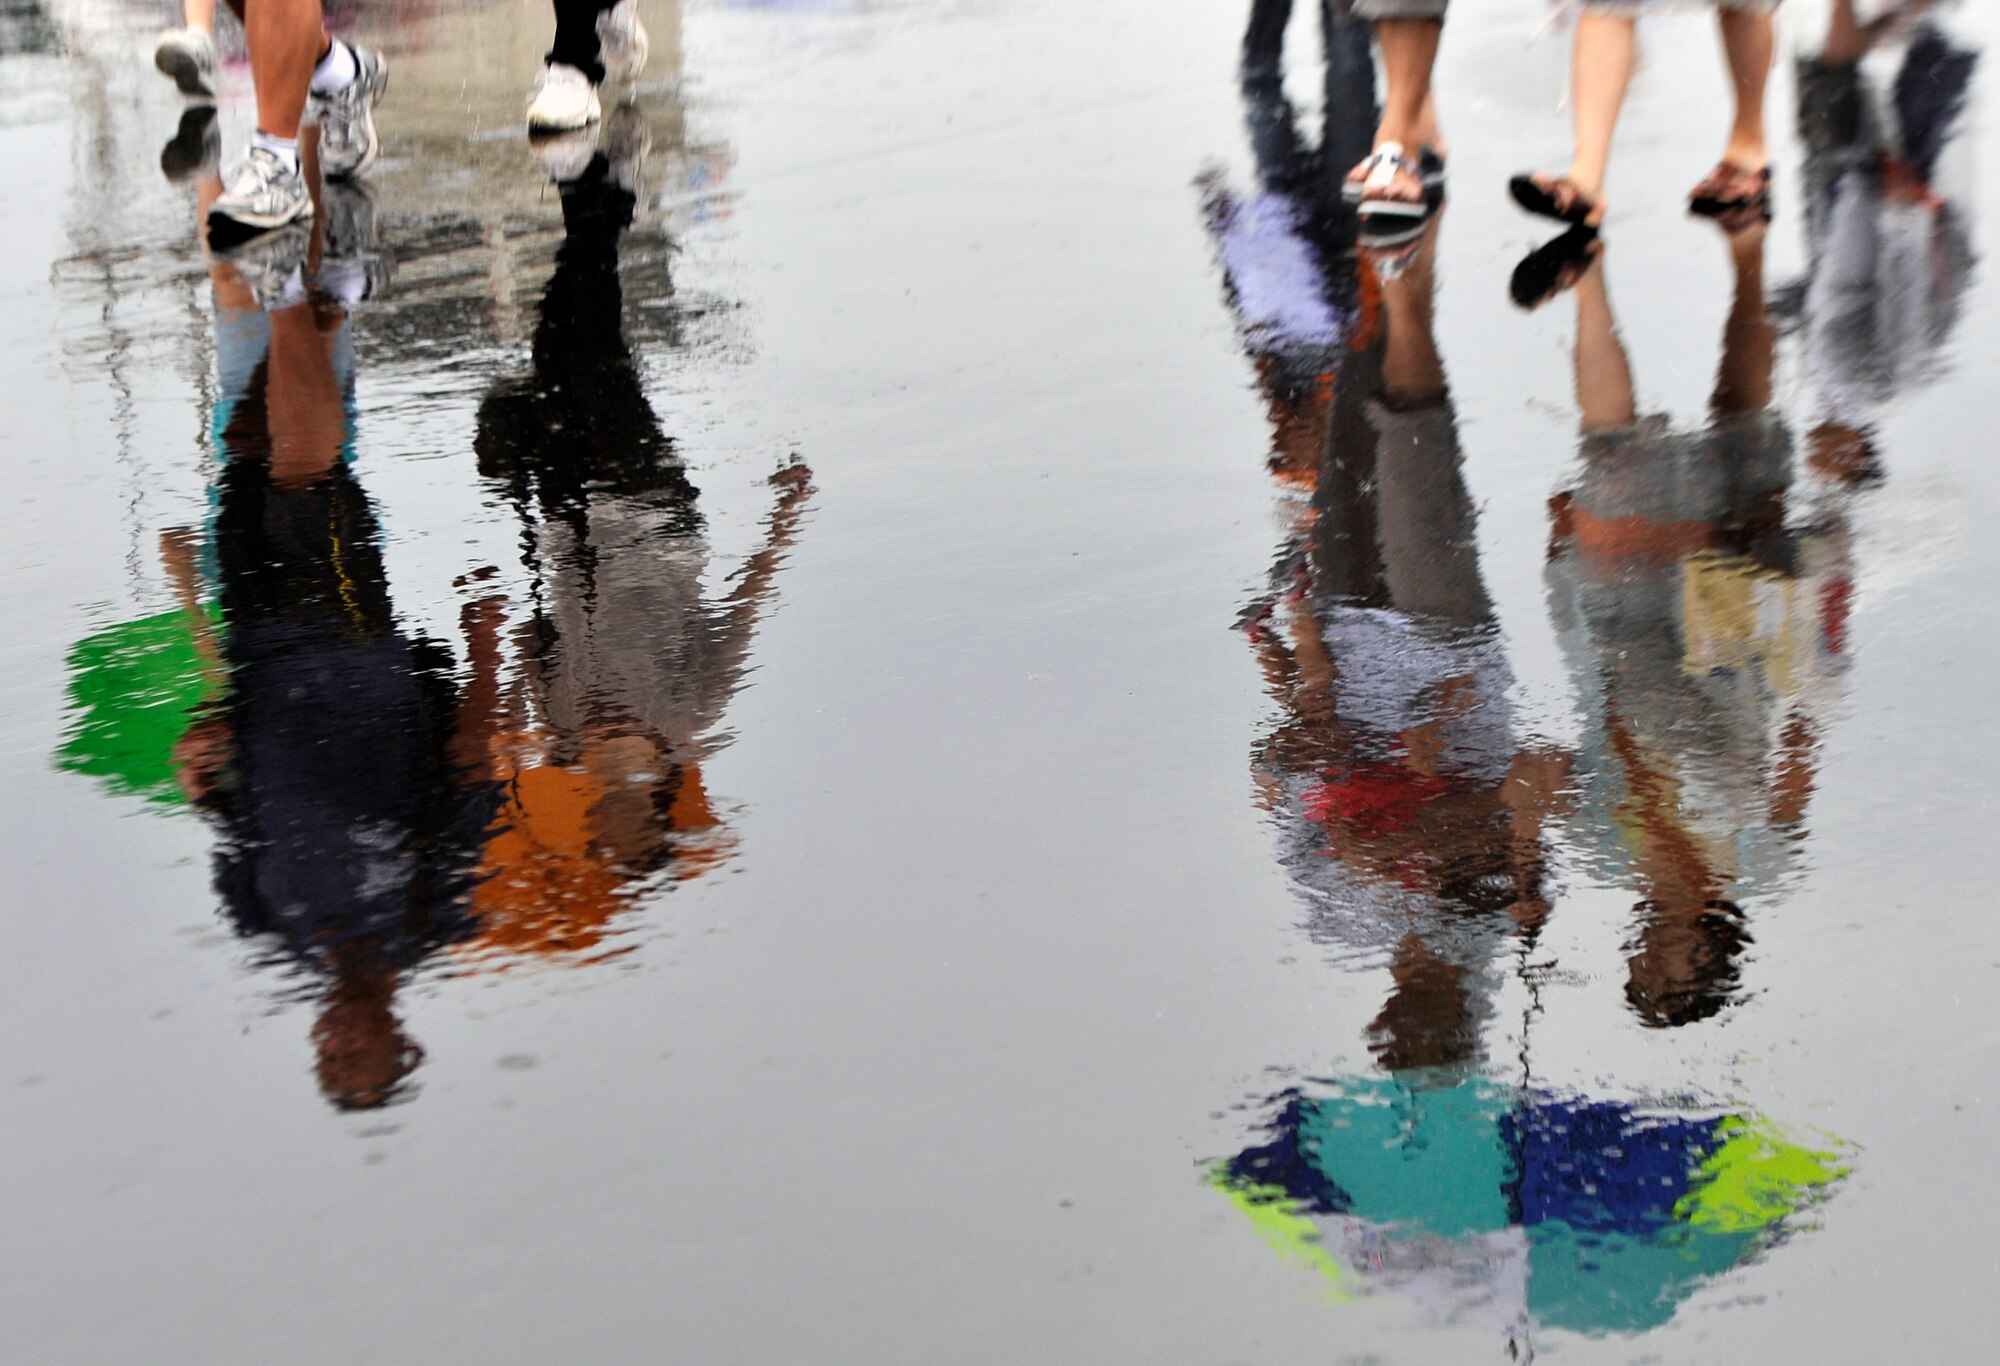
[
  {"x": 188, "y": 56},
  {"x": 621, "y": 41},
  {"x": 563, "y": 99}
]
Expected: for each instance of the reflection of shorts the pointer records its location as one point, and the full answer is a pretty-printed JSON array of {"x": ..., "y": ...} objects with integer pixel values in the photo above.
[{"x": 1372, "y": 10}]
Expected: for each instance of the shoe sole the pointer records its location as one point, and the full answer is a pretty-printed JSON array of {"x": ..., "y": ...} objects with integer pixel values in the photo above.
[
  {"x": 544, "y": 125},
  {"x": 179, "y": 66},
  {"x": 227, "y": 232}
]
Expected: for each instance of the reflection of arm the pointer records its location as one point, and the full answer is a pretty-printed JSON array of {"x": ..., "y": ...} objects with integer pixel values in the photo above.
[
  {"x": 480, "y": 713},
  {"x": 177, "y": 556},
  {"x": 754, "y": 581}
]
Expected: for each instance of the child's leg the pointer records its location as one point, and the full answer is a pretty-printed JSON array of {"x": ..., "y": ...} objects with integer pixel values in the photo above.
[
  {"x": 1748, "y": 41},
  {"x": 198, "y": 14}
]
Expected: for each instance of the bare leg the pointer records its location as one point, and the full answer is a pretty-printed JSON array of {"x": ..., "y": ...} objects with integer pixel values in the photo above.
[
  {"x": 1600, "y": 69},
  {"x": 198, "y": 14},
  {"x": 1412, "y": 373},
  {"x": 1748, "y": 41},
  {"x": 1409, "y": 114},
  {"x": 1749, "y": 341},
  {"x": 286, "y": 39},
  {"x": 1603, "y": 374}
]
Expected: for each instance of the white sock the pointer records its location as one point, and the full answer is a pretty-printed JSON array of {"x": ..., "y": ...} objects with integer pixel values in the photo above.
[
  {"x": 336, "y": 71},
  {"x": 284, "y": 149}
]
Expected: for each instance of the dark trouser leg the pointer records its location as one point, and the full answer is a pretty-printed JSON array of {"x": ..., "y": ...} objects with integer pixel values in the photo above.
[{"x": 576, "y": 36}]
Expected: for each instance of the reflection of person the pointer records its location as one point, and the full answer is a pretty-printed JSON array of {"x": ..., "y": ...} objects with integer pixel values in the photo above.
[
  {"x": 596, "y": 41},
  {"x": 626, "y": 665},
  {"x": 1886, "y": 225},
  {"x": 1601, "y": 66},
  {"x": 1286, "y": 248},
  {"x": 333, "y": 763},
  {"x": 1411, "y": 814},
  {"x": 1703, "y": 629}
]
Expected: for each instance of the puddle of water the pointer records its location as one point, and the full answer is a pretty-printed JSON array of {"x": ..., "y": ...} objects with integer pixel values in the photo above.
[{"x": 874, "y": 728}]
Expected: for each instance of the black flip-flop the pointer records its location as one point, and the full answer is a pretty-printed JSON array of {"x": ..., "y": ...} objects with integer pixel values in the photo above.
[
  {"x": 1538, "y": 199},
  {"x": 1539, "y": 276}
]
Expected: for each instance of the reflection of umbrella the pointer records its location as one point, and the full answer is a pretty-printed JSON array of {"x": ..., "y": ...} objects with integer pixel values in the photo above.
[
  {"x": 1587, "y": 1215},
  {"x": 133, "y": 688}
]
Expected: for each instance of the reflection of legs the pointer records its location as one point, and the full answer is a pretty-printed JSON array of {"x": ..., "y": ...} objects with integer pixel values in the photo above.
[
  {"x": 1603, "y": 374},
  {"x": 306, "y": 411},
  {"x": 1430, "y": 552},
  {"x": 1748, "y": 41},
  {"x": 1749, "y": 340}
]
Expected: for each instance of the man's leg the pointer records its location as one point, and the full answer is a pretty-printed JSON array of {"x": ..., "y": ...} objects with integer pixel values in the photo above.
[{"x": 286, "y": 39}]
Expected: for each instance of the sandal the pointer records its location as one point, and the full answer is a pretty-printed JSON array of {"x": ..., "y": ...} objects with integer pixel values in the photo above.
[
  {"x": 1429, "y": 169},
  {"x": 1729, "y": 189},
  {"x": 1561, "y": 199},
  {"x": 1552, "y": 267}
]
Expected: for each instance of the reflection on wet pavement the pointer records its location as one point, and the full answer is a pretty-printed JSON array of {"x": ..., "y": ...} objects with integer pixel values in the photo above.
[{"x": 1488, "y": 960}]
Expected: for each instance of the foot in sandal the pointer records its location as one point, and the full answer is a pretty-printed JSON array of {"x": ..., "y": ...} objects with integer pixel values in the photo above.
[
  {"x": 1558, "y": 197},
  {"x": 1732, "y": 191}
]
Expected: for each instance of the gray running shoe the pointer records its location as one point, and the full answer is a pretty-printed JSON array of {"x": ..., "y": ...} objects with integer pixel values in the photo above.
[
  {"x": 347, "y": 140},
  {"x": 272, "y": 266},
  {"x": 188, "y": 56},
  {"x": 354, "y": 266},
  {"x": 259, "y": 193},
  {"x": 621, "y": 41},
  {"x": 195, "y": 150}
]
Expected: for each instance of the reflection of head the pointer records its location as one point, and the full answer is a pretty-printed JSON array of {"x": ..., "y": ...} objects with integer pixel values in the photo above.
[
  {"x": 1844, "y": 454},
  {"x": 363, "y": 1054},
  {"x": 1428, "y": 1018},
  {"x": 1683, "y": 966}
]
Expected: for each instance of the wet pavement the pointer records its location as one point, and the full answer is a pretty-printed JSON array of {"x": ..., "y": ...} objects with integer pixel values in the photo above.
[{"x": 918, "y": 720}]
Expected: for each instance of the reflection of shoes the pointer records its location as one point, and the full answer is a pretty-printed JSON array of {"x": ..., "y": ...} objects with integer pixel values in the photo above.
[
  {"x": 354, "y": 265},
  {"x": 563, "y": 99},
  {"x": 347, "y": 140},
  {"x": 621, "y": 41},
  {"x": 260, "y": 193},
  {"x": 188, "y": 56},
  {"x": 272, "y": 266},
  {"x": 1390, "y": 259},
  {"x": 196, "y": 149},
  {"x": 627, "y": 139},
  {"x": 1381, "y": 231},
  {"x": 1553, "y": 267},
  {"x": 564, "y": 155}
]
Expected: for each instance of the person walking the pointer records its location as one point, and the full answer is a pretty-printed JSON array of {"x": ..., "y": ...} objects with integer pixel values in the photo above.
[
  {"x": 299, "y": 71},
  {"x": 596, "y": 41},
  {"x": 1600, "y": 69}
]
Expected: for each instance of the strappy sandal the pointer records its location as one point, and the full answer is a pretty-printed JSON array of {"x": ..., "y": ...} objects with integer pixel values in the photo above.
[
  {"x": 1552, "y": 267},
  {"x": 1561, "y": 199},
  {"x": 1731, "y": 191},
  {"x": 1429, "y": 169}
]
